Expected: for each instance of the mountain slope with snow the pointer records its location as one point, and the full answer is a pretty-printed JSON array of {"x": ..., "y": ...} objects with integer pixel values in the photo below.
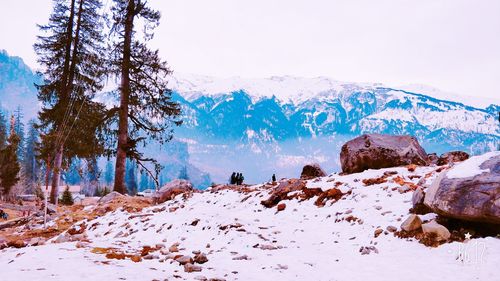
[{"x": 243, "y": 240}]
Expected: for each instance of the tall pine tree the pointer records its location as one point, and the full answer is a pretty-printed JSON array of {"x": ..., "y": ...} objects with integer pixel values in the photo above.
[
  {"x": 108, "y": 173},
  {"x": 19, "y": 129},
  {"x": 146, "y": 109},
  {"x": 72, "y": 53},
  {"x": 144, "y": 184},
  {"x": 131, "y": 178},
  {"x": 9, "y": 165},
  {"x": 3, "y": 130},
  {"x": 31, "y": 166}
]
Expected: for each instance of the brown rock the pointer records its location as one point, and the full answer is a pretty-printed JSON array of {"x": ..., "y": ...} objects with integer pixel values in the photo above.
[
  {"x": 183, "y": 259},
  {"x": 413, "y": 222},
  {"x": 311, "y": 171},
  {"x": 435, "y": 228},
  {"x": 188, "y": 267},
  {"x": 172, "y": 189},
  {"x": 200, "y": 258},
  {"x": 282, "y": 190},
  {"x": 452, "y": 156},
  {"x": 330, "y": 194},
  {"x": 375, "y": 151},
  {"x": 281, "y": 207}
]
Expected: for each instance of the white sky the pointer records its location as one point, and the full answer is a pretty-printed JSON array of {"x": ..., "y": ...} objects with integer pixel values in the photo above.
[{"x": 453, "y": 45}]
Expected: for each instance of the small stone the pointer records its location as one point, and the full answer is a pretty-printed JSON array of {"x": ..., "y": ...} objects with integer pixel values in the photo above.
[
  {"x": 174, "y": 248},
  {"x": 391, "y": 228},
  {"x": 200, "y": 258},
  {"x": 239, "y": 258},
  {"x": 441, "y": 232},
  {"x": 189, "y": 267},
  {"x": 184, "y": 260},
  {"x": 281, "y": 207},
  {"x": 404, "y": 188},
  {"x": 413, "y": 222}
]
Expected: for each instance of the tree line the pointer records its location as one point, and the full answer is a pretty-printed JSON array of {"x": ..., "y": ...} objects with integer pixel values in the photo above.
[{"x": 81, "y": 50}]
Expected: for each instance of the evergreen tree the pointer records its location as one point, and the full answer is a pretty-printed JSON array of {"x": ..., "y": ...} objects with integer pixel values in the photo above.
[
  {"x": 145, "y": 100},
  {"x": 3, "y": 130},
  {"x": 31, "y": 166},
  {"x": 131, "y": 178},
  {"x": 67, "y": 198},
  {"x": 9, "y": 165},
  {"x": 108, "y": 174},
  {"x": 144, "y": 180},
  {"x": 73, "y": 175},
  {"x": 183, "y": 174},
  {"x": 71, "y": 52},
  {"x": 19, "y": 129}
]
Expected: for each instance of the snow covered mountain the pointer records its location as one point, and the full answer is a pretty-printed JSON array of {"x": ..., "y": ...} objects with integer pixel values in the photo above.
[
  {"x": 276, "y": 125},
  {"x": 297, "y": 120}
]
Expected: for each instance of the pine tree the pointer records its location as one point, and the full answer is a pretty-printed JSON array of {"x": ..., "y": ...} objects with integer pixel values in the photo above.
[
  {"x": 131, "y": 178},
  {"x": 67, "y": 198},
  {"x": 108, "y": 174},
  {"x": 145, "y": 100},
  {"x": 3, "y": 130},
  {"x": 71, "y": 52},
  {"x": 9, "y": 165},
  {"x": 31, "y": 166},
  {"x": 144, "y": 181},
  {"x": 183, "y": 174},
  {"x": 19, "y": 129},
  {"x": 93, "y": 174}
]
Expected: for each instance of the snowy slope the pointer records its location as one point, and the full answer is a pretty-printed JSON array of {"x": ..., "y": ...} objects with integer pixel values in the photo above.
[{"x": 245, "y": 241}]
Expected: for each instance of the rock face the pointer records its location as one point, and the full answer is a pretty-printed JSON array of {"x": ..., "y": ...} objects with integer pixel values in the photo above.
[
  {"x": 311, "y": 171},
  {"x": 173, "y": 188},
  {"x": 468, "y": 191},
  {"x": 375, "y": 151},
  {"x": 452, "y": 156}
]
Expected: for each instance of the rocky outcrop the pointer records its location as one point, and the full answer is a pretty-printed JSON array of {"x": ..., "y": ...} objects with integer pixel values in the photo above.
[
  {"x": 452, "y": 156},
  {"x": 311, "y": 171},
  {"x": 282, "y": 190},
  {"x": 172, "y": 189},
  {"x": 468, "y": 191},
  {"x": 375, "y": 151}
]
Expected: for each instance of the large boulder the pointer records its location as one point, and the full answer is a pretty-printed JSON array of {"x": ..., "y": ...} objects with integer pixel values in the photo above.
[
  {"x": 469, "y": 190},
  {"x": 452, "y": 156},
  {"x": 172, "y": 189},
  {"x": 311, "y": 171},
  {"x": 376, "y": 151},
  {"x": 110, "y": 197}
]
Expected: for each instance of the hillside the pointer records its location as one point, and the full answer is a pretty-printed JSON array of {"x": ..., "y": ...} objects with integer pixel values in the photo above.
[{"x": 232, "y": 236}]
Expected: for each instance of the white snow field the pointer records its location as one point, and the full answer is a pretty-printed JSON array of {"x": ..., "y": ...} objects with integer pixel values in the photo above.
[{"x": 245, "y": 241}]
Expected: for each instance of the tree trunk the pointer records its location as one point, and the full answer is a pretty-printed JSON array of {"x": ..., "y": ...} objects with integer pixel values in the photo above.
[
  {"x": 121, "y": 151},
  {"x": 56, "y": 175}
]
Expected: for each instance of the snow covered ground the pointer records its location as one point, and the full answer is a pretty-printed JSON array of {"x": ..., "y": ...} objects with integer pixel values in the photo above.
[{"x": 243, "y": 240}]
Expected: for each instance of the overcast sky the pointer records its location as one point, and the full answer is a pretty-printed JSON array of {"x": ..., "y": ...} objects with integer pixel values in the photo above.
[{"x": 453, "y": 45}]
